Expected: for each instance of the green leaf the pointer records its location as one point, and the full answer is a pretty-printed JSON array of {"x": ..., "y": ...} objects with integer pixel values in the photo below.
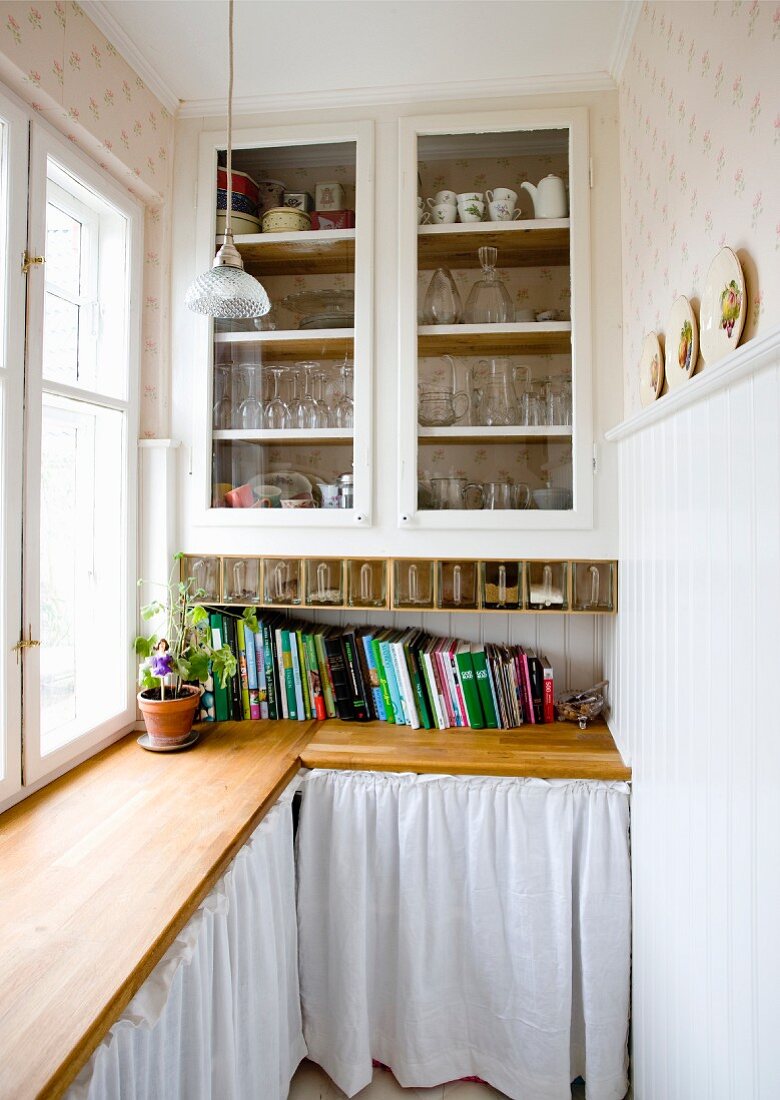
[
  {"x": 178, "y": 555},
  {"x": 151, "y": 609},
  {"x": 184, "y": 668},
  {"x": 144, "y": 647},
  {"x": 224, "y": 664},
  {"x": 199, "y": 615},
  {"x": 199, "y": 666},
  {"x": 250, "y": 619}
]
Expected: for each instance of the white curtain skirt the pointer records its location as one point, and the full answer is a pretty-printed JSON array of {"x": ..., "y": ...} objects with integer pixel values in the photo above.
[
  {"x": 466, "y": 926},
  {"x": 219, "y": 1017}
]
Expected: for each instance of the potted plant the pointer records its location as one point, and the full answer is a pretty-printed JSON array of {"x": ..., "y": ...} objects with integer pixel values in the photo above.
[{"x": 174, "y": 661}]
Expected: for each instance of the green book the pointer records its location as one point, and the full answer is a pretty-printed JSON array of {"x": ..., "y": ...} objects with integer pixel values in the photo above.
[
  {"x": 289, "y": 678},
  {"x": 327, "y": 686},
  {"x": 221, "y": 712},
  {"x": 420, "y": 696},
  {"x": 242, "y": 669},
  {"x": 383, "y": 685},
  {"x": 483, "y": 687},
  {"x": 296, "y": 669},
  {"x": 303, "y": 671},
  {"x": 468, "y": 680}
]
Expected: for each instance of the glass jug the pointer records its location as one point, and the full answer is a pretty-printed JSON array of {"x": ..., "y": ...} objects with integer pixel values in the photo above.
[
  {"x": 489, "y": 301},
  {"x": 456, "y": 492},
  {"x": 495, "y": 398}
]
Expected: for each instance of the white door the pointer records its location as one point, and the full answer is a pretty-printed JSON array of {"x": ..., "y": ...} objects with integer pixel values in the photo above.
[
  {"x": 14, "y": 136},
  {"x": 80, "y": 424}
]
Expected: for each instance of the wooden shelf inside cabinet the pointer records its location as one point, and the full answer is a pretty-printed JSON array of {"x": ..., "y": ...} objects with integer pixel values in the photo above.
[
  {"x": 292, "y": 437},
  {"x": 529, "y": 338},
  {"x": 316, "y": 252},
  {"x": 533, "y": 243},
  {"x": 477, "y": 434},
  {"x": 287, "y": 346}
]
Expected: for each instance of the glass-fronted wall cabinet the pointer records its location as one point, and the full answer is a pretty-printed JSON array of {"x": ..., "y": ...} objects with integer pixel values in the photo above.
[
  {"x": 285, "y": 431},
  {"x": 495, "y": 321}
]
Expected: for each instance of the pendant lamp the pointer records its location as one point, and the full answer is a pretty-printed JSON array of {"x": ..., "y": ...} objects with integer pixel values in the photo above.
[{"x": 227, "y": 291}]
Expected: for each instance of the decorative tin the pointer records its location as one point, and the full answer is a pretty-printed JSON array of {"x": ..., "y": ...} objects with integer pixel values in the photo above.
[
  {"x": 301, "y": 200},
  {"x": 329, "y": 196},
  {"x": 285, "y": 219},
  {"x": 333, "y": 219}
]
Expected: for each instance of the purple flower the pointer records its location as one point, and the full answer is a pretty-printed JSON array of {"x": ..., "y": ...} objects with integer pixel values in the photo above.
[{"x": 161, "y": 664}]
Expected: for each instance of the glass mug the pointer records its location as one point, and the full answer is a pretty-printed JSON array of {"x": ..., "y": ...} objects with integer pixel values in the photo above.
[
  {"x": 456, "y": 492},
  {"x": 505, "y": 495},
  {"x": 438, "y": 410}
]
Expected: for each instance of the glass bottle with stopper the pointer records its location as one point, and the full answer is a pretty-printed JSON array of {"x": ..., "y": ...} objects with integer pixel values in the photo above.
[{"x": 489, "y": 302}]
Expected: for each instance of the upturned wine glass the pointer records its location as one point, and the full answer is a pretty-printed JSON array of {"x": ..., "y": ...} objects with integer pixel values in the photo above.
[{"x": 277, "y": 413}]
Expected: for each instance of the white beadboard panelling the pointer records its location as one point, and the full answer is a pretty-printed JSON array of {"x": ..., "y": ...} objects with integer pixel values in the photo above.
[{"x": 693, "y": 662}]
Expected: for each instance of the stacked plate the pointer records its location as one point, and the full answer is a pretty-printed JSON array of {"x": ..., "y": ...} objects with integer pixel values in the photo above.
[{"x": 323, "y": 308}]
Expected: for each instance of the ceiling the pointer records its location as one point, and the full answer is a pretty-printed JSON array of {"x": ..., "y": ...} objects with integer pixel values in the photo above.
[{"x": 314, "y": 52}]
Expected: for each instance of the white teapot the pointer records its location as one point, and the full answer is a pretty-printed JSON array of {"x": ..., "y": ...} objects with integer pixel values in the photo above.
[{"x": 549, "y": 197}]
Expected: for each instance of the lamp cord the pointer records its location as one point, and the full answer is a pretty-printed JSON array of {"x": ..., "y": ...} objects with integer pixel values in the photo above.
[{"x": 229, "y": 123}]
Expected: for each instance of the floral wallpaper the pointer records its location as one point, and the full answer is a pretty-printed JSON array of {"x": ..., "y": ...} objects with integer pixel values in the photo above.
[
  {"x": 53, "y": 56},
  {"x": 700, "y": 147}
]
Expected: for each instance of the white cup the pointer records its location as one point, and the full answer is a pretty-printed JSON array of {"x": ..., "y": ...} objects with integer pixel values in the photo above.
[
  {"x": 423, "y": 217},
  {"x": 471, "y": 211},
  {"x": 471, "y": 196},
  {"x": 443, "y": 196},
  {"x": 502, "y": 211},
  {"x": 503, "y": 194},
  {"x": 443, "y": 213},
  {"x": 420, "y": 202}
]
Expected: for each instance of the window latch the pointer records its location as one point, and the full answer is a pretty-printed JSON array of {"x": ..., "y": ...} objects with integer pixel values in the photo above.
[
  {"x": 25, "y": 643},
  {"x": 29, "y": 261}
]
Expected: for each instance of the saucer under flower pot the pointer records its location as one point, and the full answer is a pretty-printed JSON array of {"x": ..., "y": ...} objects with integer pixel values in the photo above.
[{"x": 169, "y": 721}]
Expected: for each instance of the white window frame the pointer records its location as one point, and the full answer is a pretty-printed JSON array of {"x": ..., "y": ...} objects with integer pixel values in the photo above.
[
  {"x": 13, "y": 240},
  {"x": 45, "y": 145}
]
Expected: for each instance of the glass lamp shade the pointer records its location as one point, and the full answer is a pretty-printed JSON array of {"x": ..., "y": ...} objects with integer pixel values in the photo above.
[{"x": 227, "y": 291}]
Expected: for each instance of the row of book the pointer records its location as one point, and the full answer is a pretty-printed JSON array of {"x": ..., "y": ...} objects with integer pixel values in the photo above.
[{"x": 300, "y": 670}]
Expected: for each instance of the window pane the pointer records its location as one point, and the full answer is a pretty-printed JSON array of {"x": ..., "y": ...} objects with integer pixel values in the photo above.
[
  {"x": 63, "y": 250},
  {"x": 83, "y": 628},
  {"x": 60, "y": 340}
]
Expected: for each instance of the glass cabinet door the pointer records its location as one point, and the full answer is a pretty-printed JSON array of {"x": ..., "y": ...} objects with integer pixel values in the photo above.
[
  {"x": 289, "y": 413},
  {"x": 495, "y": 339}
]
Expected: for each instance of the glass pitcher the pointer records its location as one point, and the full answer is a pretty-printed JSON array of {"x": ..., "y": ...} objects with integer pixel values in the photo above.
[
  {"x": 496, "y": 402},
  {"x": 439, "y": 402},
  {"x": 456, "y": 492}
]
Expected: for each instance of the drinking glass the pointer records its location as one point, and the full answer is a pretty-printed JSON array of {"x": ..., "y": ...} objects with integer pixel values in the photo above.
[
  {"x": 442, "y": 304},
  {"x": 306, "y": 413},
  {"x": 318, "y": 393},
  {"x": 223, "y": 402},
  {"x": 250, "y": 411},
  {"x": 277, "y": 413},
  {"x": 345, "y": 409},
  {"x": 489, "y": 301}
]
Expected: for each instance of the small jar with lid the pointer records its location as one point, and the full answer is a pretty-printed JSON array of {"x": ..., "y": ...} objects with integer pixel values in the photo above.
[{"x": 346, "y": 484}]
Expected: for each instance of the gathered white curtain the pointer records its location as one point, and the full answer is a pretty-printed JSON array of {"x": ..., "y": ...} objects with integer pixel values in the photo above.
[
  {"x": 219, "y": 1017},
  {"x": 466, "y": 926}
]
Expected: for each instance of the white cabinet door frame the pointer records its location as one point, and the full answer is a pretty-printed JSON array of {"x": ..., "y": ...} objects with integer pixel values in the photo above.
[
  {"x": 575, "y": 119},
  {"x": 362, "y": 133}
]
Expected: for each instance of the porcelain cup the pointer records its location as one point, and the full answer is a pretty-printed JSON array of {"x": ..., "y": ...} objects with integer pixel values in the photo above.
[
  {"x": 501, "y": 211},
  {"x": 330, "y": 496},
  {"x": 423, "y": 217},
  {"x": 471, "y": 211},
  {"x": 420, "y": 202},
  {"x": 471, "y": 196},
  {"x": 443, "y": 196},
  {"x": 503, "y": 194},
  {"x": 443, "y": 213}
]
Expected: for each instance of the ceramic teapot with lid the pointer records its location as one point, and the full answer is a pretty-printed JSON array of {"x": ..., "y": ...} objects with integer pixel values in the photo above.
[{"x": 549, "y": 197}]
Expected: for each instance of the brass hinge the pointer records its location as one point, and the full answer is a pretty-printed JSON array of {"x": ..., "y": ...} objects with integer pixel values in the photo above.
[
  {"x": 25, "y": 643},
  {"x": 29, "y": 261}
]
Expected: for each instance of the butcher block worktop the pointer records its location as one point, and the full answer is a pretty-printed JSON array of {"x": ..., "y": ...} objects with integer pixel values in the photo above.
[{"x": 102, "y": 869}]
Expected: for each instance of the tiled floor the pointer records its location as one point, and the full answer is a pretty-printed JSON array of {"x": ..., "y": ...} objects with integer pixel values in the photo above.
[{"x": 311, "y": 1083}]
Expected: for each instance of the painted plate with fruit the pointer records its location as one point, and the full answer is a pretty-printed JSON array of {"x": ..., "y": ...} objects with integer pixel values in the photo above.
[
  {"x": 723, "y": 307},
  {"x": 651, "y": 369},
  {"x": 682, "y": 343}
]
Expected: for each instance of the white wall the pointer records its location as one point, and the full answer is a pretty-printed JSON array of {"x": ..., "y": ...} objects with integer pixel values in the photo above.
[
  {"x": 385, "y": 537},
  {"x": 693, "y": 661}
]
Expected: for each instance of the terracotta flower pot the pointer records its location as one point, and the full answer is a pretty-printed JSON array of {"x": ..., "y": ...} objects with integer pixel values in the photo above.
[{"x": 169, "y": 721}]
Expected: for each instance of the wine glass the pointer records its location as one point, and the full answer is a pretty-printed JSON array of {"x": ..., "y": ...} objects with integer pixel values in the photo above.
[
  {"x": 489, "y": 301},
  {"x": 277, "y": 412},
  {"x": 345, "y": 409},
  {"x": 250, "y": 411},
  {"x": 318, "y": 393},
  {"x": 223, "y": 404}
]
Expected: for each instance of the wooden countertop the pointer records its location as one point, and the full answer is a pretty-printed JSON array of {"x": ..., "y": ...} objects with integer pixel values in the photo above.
[
  {"x": 559, "y": 750},
  {"x": 102, "y": 869}
]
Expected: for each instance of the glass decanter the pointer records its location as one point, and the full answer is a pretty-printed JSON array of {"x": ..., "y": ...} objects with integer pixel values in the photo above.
[
  {"x": 442, "y": 304},
  {"x": 489, "y": 302}
]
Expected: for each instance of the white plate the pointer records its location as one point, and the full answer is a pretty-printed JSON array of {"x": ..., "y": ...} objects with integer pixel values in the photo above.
[
  {"x": 682, "y": 343},
  {"x": 723, "y": 306},
  {"x": 651, "y": 369}
]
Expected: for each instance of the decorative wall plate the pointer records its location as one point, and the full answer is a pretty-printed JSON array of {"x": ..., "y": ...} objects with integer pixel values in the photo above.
[
  {"x": 651, "y": 369},
  {"x": 682, "y": 343},
  {"x": 723, "y": 306}
]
